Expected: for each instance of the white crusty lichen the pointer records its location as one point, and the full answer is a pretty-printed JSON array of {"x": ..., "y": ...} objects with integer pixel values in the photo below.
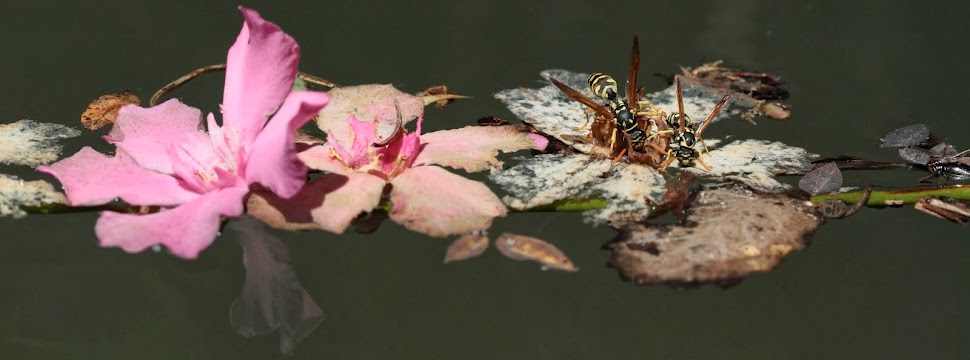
[
  {"x": 32, "y": 143},
  {"x": 631, "y": 189},
  {"x": 16, "y": 193}
]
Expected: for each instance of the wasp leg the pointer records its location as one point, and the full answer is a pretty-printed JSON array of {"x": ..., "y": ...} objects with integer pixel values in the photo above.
[
  {"x": 658, "y": 148},
  {"x": 699, "y": 159},
  {"x": 658, "y": 133},
  {"x": 588, "y": 111},
  {"x": 618, "y": 157},
  {"x": 667, "y": 160},
  {"x": 705, "y": 147}
]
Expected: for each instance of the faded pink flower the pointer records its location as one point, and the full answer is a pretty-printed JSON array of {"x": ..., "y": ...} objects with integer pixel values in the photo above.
[
  {"x": 426, "y": 197},
  {"x": 164, "y": 157}
]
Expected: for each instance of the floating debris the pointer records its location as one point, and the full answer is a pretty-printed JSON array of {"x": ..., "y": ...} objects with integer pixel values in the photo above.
[
  {"x": 32, "y": 143},
  {"x": 906, "y": 136},
  {"x": 521, "y": 247},
  {"x": 823, "y": 179},
  {"x": 729, "y": 233},
  {"x": 272, "y": 297},
  {"x": 104, "y": 110},
  {"x": 956, "y": 212},
  {"x": 15, "y": 194},
  {"x": 754, "y": 90},
  {"x": 466, "y": 247}
]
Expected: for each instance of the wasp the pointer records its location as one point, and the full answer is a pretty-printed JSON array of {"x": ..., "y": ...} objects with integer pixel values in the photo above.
[
  {"x": 617, "y": 109},
  {"x": 686, "y": 135}
]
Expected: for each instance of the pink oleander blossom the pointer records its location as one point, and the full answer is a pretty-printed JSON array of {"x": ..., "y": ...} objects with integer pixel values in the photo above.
[
  {"x": 164, "y": 158},
  {"x": 426, "y": 197}
]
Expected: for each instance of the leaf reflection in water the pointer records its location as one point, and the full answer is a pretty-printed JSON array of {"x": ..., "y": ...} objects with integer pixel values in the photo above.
[{"x": 272, "y": 298}]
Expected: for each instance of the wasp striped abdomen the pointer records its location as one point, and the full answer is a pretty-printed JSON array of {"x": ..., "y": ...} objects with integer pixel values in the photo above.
[{"x": 603, "y": 86}]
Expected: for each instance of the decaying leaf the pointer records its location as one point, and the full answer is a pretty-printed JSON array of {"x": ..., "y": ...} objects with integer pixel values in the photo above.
[
  {"x": 521, "y": 247},
  {"x": 755, "y": 163},
  {"x": 467, "y": 247},
  {"x": 906, "y": 136},
  {"x": 730, "y": 232},
  {"x": 16, "y": 193},
  {"x": 914, "y": 155},
  {"x": 541, "y": 180},
  {"x": 822, "y": 179},
  {"x": 750, "y": 89},
  {"x": 272, "y": 297},
  {"x": 32, "y": 143},
  {"x": 104, "y": 110}
]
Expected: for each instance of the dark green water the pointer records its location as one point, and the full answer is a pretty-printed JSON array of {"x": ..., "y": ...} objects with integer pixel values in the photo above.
[{"x": 886, "y": 283}]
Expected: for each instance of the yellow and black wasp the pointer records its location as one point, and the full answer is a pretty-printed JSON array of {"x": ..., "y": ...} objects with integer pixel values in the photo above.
[
  {"x": 617, "y": 110},
  {"x": 685, "y": 135}
]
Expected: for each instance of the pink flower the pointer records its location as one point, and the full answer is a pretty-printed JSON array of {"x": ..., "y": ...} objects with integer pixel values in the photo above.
[
  {"x": 426, "y": 198},
  {"x": 164, "y": 157}
]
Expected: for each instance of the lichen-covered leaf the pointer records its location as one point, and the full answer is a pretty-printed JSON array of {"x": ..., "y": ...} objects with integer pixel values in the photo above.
[
  {"x": 906, "y": 136},
  {"x": 755, "y": 163},
  {"x": 16, "y": 193},
  {"x": 730, "y": 232},
  {"x": 272, "y": 297},
  {"x": 823, "y": 179},
  {"x": 32, "y": 143},
  {"x": 466, "y": 247},
  {"x": 914, "y": 155},
  {"x": 104, "y": 110},
  {"x": 521, "y": 247}
]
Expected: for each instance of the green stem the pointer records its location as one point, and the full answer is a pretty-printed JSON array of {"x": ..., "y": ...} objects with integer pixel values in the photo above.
[
  {"x": 568, "y": 205},
  {"x": 898, "y": 197}
]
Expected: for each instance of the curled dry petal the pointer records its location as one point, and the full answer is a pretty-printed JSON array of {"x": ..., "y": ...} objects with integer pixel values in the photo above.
[
  {"x": 474, "y": 148},
  {"x": 147, "y": 133},
  {"x": 91, "y": 178},
  {"x": 260, "y": 70},
  {"x": 368, "y": 102},
  {"x": 184, "y": 230},
  {"x": 272, "y": 160},
  {"x": 433, "y": 201},
  {"x": 466, "y": 247},
  {"x": 521, "y": 247},
  {"x": 104, "y": 110}
]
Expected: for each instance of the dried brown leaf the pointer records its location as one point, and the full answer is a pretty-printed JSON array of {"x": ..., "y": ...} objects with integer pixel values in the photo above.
[
  {"x": 466, "y": 247},
  {"x": 104, "y": 110},
  {"x": 730, "y": 232},
  {"x": 521, "y": 247}
]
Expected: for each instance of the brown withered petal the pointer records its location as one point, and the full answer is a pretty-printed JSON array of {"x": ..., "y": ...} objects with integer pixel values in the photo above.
[
  {"x": 104, "y": 110},
  {"x": 521, "y": 247},
  {"x": 466, "y": 247},
  {"x": 730, "y": 233}
]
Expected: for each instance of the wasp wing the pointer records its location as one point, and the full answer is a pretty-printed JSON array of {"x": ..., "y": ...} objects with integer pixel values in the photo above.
[{"x": 576, "y": 95}]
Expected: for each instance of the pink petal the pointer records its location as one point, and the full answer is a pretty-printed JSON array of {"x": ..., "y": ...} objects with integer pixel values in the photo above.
[
  {"x": 474, "y": 148},
  {"x": 321, "y": 158},
  {"x": 401, "y": 152},
  {"x": 272, "y": 160},
  {"x": 363, "y": 137},
  {"x": 357, "y": 193},
  {"x": 260, "y": 70},
  {"x": 332, "y": 201},
  {"x": 91, "y": 178},
  {"x": 147, "y": 133},
  {"x": 185, "y": 230},
  {"x": 431, "y": 200}
]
